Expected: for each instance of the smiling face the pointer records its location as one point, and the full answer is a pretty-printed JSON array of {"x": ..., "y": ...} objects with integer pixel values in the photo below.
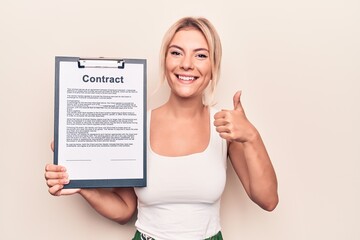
[{"x": 187, "y": 64}]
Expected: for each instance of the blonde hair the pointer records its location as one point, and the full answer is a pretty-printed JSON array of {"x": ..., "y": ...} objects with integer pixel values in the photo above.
[{"x": 213, "y": 40}]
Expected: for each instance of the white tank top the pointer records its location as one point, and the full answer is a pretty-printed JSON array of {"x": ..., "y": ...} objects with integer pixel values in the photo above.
[{"x": 182, "y": 197}]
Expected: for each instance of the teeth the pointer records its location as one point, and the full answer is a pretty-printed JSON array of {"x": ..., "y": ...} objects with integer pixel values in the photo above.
[{"x": 184, "y": 78}]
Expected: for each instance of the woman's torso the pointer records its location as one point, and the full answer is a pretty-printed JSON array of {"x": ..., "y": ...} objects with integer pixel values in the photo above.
[{"x": 182, "y": 197}]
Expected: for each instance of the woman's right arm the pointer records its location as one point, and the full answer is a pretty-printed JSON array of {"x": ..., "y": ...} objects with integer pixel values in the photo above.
[{"x": 117, "y": 204}]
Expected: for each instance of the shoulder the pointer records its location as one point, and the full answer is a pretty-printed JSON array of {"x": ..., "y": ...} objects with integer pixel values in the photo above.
[
  {"x": 159, "y": 111},
  {"x": 156, "y": 117}
]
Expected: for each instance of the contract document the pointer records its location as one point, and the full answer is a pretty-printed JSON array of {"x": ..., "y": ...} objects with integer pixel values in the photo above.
[{"x": 100, "y": 121}]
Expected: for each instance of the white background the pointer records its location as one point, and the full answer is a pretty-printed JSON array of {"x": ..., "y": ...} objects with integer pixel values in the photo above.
[{"x": 297, "y": 62}]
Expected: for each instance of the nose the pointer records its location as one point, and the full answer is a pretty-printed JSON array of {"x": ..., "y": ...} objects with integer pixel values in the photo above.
[{"x": 187, "y": 63}]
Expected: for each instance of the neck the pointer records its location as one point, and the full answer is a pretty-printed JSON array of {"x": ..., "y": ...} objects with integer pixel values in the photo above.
[{"x": 185, "y": 107}]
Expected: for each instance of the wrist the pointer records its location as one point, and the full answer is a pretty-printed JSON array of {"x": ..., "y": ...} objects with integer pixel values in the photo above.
[
  {"x": 84, "y": 192},
  {"x": 252, "y": 136}
]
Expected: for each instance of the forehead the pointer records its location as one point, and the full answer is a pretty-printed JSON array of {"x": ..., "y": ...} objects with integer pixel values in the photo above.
[{"x": 189, "y": 38}]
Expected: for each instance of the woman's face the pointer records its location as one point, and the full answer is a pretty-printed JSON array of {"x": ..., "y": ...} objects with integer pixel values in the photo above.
[{"x": 187, "y": 64}]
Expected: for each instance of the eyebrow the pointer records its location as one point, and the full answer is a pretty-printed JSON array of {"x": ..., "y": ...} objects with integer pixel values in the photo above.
[{"x": 195, "y": 50}]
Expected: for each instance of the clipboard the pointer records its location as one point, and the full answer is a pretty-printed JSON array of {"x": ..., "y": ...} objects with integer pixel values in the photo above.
[{"x": 100, "y": 121}]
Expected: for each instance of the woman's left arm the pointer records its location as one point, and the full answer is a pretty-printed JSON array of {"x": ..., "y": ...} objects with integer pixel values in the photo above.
[{"x": 248, "y": 155}]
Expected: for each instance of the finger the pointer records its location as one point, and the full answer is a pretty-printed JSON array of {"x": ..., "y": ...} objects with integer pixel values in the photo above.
[
  {"x": 53, "y": 182},
  {"x": 226, "y": 136},
  {"x": 236, "y": 101},
  {"x": 55, "y": 175},
  {"x": 55, "y": 190},
  {"x": 222, "y": 129},
  {"x": 220, "y": 122},
  {"x": 69, "y": 191},
  {"x": 52, "y": 145},
  {"x": 54, "y": 168},
  {"x": 222, "y": 114}
]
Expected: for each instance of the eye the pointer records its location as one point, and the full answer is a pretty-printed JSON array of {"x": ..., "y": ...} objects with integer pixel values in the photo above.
[
  {"x": 175, "y": 53},
  {"x": 202, "y": 56}
]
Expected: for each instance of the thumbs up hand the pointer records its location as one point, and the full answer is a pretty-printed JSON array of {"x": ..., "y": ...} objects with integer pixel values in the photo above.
[{"x": 233, "y": 125}]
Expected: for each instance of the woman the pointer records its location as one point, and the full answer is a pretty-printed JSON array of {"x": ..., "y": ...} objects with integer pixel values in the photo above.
[{"x": 188, "y": 146}]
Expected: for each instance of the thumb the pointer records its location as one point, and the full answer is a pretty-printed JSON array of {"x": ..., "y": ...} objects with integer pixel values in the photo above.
[
  {"x": 52, "y": 145},
  {"x": 236, "y": 99}
]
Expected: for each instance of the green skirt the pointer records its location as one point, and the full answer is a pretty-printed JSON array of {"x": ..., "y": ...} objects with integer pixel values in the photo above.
[{"x": 138, "y": 236}]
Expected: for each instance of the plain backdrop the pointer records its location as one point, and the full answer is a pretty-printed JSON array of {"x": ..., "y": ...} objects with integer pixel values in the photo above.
[{"x": 297, "y": 63}]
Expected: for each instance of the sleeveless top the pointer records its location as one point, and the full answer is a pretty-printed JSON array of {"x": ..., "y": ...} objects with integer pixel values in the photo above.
[{"x": 182, "y": 197}]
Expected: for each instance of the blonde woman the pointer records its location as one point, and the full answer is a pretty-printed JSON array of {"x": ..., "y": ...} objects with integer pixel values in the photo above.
[{"x": 188, "y": 145}]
